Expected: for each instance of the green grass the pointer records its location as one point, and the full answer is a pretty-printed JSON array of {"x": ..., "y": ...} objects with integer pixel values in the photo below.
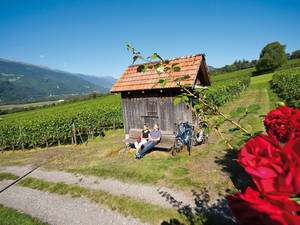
[
  {"x": 7, "y": 176},
  {"x": 12, "y": 217},
  {"x": 263, "y": 82},
  {"x": 100, "y": 157},
  {"x": 142, "y": 210}
]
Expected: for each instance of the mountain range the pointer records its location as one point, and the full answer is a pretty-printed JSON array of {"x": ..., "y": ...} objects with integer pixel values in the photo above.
[
  {"x": 211, "y": 68},
  {"x": 21, "y": 82}
]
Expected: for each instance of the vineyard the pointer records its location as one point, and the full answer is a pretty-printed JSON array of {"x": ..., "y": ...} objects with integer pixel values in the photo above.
[
  {"x": 224, "y": 91},
  {"x": 286, "y": 84},
  {"x": 77, "y": 122},
  {"x": 70, "y": 123}
]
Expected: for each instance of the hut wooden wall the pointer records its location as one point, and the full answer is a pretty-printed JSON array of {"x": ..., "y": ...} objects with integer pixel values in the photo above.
[{"x": 153, "y": 107}]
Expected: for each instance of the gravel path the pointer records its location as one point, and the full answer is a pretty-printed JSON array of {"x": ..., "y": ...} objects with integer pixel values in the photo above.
[
  {"x": 159, "y": 196},
  {"x": 60, "y": 209}
]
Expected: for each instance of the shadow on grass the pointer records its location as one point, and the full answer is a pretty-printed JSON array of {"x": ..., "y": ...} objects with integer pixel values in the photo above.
[
  {"x": 218, "y": 212},
  {"x": 203, "y": 212},
  {"x": 238, "y": 176}
]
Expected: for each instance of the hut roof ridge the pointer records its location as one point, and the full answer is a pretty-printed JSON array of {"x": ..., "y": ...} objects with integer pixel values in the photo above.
[
  {"x": 170, "y": 59},
  {"x": 131, "y": 80}
]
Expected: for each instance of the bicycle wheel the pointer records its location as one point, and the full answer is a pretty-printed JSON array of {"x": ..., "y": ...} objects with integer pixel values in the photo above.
[
  {"x": 202, "y": 134},
  {"x": 179, "y": 144}
]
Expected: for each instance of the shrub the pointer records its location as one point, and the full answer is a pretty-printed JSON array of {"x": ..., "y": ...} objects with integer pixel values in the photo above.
[
  {"x": 271, "y": 57},
  {"x": 287, "y": 85},
  {"x": 295, "y": 54}
]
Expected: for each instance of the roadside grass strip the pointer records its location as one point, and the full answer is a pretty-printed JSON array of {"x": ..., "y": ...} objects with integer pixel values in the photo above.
[
  {"x": 8, "y": 176},
  {"x": 139, "y": 209},
  {"x": 12, "y": 217}
]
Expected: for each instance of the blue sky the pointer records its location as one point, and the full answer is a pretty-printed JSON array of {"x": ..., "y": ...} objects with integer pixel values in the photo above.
[{"x": 89, "y": 36}]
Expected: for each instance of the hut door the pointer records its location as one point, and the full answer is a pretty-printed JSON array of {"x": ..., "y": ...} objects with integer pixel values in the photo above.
[{"x": 151, "y": 116}]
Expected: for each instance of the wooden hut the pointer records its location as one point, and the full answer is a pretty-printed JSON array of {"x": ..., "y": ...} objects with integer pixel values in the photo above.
[{"x": 143, "y": 104}]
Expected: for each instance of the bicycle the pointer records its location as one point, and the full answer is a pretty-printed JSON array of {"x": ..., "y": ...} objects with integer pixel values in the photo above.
[
  {"x": 201, "y": 133},
  {"x": 183, "y": 138}
]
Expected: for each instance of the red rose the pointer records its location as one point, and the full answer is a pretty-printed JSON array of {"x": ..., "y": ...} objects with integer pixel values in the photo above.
[
  {"x": 296, "y": 121},
  {"x": 254, "y": 209},
  {"x": 281, "y": 123},
  {"x": 274, "y": 170}
]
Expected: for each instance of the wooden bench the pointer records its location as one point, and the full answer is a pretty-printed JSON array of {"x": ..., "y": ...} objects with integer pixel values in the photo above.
[{"x": 166, "y": 142}]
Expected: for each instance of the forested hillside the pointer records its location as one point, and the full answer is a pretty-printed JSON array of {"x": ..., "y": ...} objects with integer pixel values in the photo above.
[{"x": 21, "y": 82}]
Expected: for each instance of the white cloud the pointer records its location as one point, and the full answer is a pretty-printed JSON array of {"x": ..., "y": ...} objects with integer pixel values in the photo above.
[{"x": 42, "y": 56}]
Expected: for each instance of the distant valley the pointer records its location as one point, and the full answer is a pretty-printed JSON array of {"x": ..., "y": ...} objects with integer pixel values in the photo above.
[{"x": 22, "y": 83}]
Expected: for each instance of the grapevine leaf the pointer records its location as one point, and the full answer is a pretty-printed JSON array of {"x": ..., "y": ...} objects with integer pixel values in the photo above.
[
  {"x": 185, "y": 98},
  {"x": 140, "y": 68},
  {"x": 253, "y": 108},
  {"x": 135, "y": 58},
  {"x": 154, "y": 56},
  {"x": 163, "y": 83},
  {"x": 177, "y": 101},
  {"x": 182, "y": 78},
  {"x": 176, "y": 69},
  {"x": 236, "y": 115},
  {"x": 241, "y": 110}
]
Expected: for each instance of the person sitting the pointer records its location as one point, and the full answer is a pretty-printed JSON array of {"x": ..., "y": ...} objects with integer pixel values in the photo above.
[
  {"x": 154, "y": 139},
  {"x": 144, "y": 138}
]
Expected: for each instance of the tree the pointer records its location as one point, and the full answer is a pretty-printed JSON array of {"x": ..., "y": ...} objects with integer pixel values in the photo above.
[
  {"x": 295, "y": 54},
  {"x": 271, "y": 57}
]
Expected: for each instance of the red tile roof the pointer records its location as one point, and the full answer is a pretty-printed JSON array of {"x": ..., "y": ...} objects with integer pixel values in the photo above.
[{"x": 131, "y": 80}]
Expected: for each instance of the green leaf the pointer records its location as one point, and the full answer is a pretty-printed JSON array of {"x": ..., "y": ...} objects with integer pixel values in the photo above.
[
  {"x": 253, "y": 108},
  {"x": 128, "y": 46},
  {"x": 163, "y": 83},
  {"x": 176, "y": 69},
  {"x": 140, "y": 68},
  {"x": 182, "y": 78},
  {"x": 243, "y": 117},
  {"x": 198, "y": 106},
  {"x": 233, "y": 129},
  {"x": 135, "y": 58},
  {"x": 177, "y": 101},
  {"x": 166, "y": 62},
  {"x": 185, "y": 98},
  {"x": 241, "y": 143},
  {"x": 187, "y": 85},
  {"x": 241, "y": 110},
  {"x": 145, "y": 69},
  {"x": 157, "y": 65},
  {"x": 155, "y": 85},
  {"x": 221, "y": 141},
  {"x": 236, "y": 115},
  {"x": 174, "y": 64},
  {"x": 154, "y": 56}
]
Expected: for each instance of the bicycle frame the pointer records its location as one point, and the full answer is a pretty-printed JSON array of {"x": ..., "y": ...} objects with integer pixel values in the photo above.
[{"x": 187, "y": 134}]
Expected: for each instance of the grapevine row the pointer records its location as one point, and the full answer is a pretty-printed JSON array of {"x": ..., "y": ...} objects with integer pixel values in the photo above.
[{"x": 73, "y": 123}]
